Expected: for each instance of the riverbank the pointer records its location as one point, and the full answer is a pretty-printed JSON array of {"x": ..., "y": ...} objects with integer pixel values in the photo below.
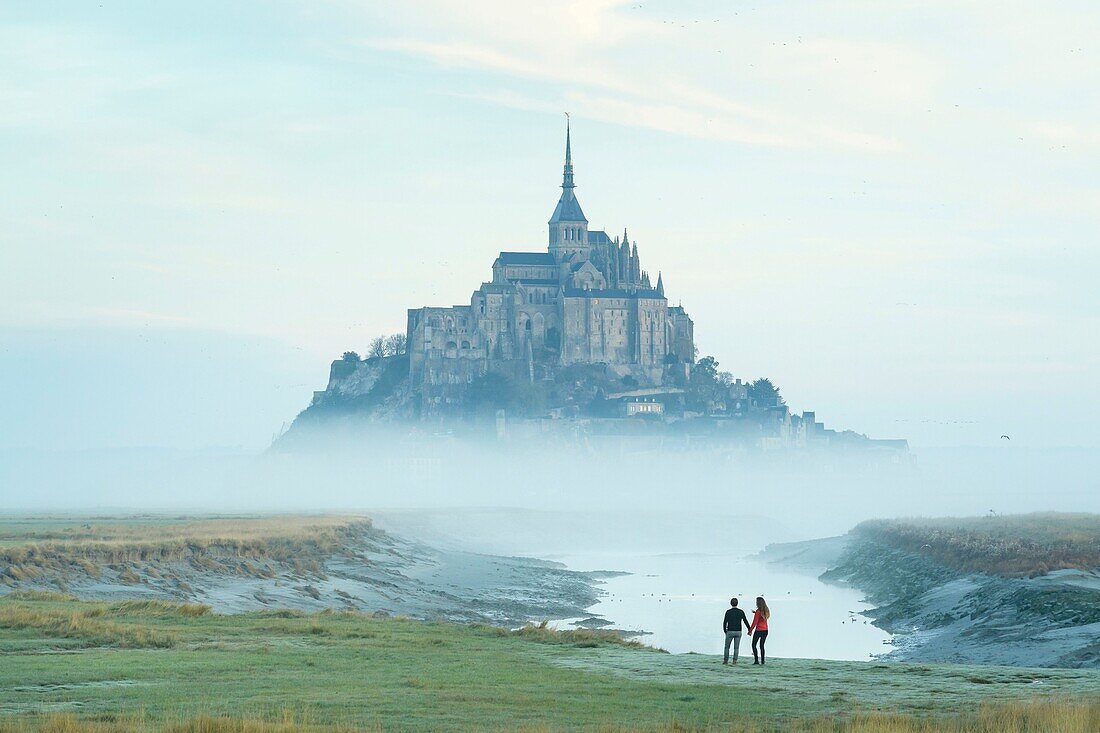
[
  {"x": 916, "y": 576},
  {"x": 308, "y": 563}
]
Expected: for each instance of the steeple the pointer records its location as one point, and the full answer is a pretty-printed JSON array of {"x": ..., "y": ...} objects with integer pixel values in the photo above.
[
  {"x": 568, "y": 227},
  {"x": 568, "y": 208},
  {"x": 660, "y": 284},
  {"x": 567, "y": 173}
]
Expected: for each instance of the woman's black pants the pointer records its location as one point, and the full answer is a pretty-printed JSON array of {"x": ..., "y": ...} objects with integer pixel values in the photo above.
[{"x": 758, "y": 638}]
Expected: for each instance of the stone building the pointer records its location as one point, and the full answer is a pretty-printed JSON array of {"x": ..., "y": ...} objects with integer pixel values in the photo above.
[{"x": 586, "y": 299}]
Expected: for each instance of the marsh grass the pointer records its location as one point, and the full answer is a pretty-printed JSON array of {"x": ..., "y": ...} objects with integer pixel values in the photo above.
[
  {"x": 1013, "y": 545},
  {"x": 1035, "y": 717},
  {"x": 287, "y": 722},
  {"x": 1043, "y": 716},
  {"x": 30, "y": 548},
  {"x": 582, "y": 638},
  {"x": 85, "y": 625}
]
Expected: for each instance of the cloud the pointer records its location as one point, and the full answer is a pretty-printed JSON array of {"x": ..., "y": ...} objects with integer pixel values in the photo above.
[
  {"x": 676, "y": 108},
  {"x": 611, "y": 62},
  {"x": 135, "y": 317}
]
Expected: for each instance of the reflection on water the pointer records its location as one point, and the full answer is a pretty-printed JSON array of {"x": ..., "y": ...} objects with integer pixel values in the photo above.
[{"x": 681, "y": 598}]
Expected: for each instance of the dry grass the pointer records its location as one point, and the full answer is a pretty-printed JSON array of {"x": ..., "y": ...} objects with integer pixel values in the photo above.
[
  {"x": 68, "y": 723},
  {"x": 87, "y": 625},
  {"x": 160, "y": 608},
  {"x": 39, "y": 595},
  {"x": 32, "y": 548},
  {"x": 583, "y": 638},
  {"x": 1017, "y": 545},
  {"x": 1036, "y": 717},
  {"x": 1033, "y": 717},
  {"x": 152, "y": 529}
]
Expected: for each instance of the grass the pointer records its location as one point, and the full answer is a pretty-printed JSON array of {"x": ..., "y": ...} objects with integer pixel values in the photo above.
[
  {"x": 34, "y": 547},
  {"x": 1012, "y": 546},
  {"x": 68, "y": 666}
]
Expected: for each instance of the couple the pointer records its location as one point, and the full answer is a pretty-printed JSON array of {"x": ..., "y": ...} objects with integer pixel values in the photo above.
[{"x": 731, "y": 624}]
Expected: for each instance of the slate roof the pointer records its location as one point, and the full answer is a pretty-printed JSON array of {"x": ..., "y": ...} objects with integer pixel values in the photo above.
[
  {"x": 598, "y": 237},
  {"x": 504, "y": 288},
  {"x": 526, "y": 258},
  {"x": 568, "y": 208}
]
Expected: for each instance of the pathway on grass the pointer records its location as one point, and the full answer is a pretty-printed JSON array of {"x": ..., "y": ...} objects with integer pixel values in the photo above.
[{"x": 842, "y": 685}]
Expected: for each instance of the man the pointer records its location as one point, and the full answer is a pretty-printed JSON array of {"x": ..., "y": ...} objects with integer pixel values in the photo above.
[{"x": 731, "y": 624}]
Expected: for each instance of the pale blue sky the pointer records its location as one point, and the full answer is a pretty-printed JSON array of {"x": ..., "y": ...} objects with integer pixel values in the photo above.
[{"x": 890, "y": 208}]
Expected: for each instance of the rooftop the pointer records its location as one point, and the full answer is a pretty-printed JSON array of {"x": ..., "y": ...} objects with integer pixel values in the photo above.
[
  {"x": 526, "y": 258},
  {"x": 568, "y": 208}
]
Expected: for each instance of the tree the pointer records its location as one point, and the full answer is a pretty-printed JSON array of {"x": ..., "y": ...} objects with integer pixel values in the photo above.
[
  {"x": 377, "y": 348},
  {"x": 350, "y": 356},
  {"x": 764, "y": 393},
  {"x": 395, "y": 344},
  {"x": 725, "y": 381},
  {"x": 705, "y": 370},
  {"x": 705, "y": 384}
]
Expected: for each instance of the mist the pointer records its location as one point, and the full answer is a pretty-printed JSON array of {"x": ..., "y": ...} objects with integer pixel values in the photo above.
[{"x": 703, "y": 498}]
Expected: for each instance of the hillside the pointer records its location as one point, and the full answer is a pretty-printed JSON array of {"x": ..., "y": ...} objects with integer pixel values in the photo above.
[
  {"x": 153, "y": 666},
  {"x": 698, "y": 406}
]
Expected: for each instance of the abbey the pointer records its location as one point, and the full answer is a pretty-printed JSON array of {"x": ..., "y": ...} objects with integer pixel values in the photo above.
[{"x": 586, "y": 299}]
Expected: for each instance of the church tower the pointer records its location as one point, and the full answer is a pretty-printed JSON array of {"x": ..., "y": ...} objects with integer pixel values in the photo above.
[{"x": 568, "y": 227}]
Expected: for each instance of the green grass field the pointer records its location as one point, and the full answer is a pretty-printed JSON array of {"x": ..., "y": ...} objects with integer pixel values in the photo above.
[{"x": 69, "y": 666}]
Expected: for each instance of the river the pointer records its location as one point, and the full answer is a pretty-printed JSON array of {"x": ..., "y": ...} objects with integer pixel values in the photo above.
[{"x": 680, "y": 599}]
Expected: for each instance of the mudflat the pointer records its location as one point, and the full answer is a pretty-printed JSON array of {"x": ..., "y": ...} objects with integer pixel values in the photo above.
[{"x": 306, "y": 562}]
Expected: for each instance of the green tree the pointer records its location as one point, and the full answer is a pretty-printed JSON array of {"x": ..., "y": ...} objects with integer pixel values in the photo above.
[
  {"x": 764, "y": 393},
  {"x": 705, "y": 385},
  {"x": 350, "y": 356}
]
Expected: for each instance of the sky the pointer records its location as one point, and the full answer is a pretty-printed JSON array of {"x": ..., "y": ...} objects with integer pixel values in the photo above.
[{"x": 890, "y": 209}]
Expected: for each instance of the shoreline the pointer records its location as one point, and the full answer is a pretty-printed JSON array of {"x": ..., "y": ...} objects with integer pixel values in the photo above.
[
  {"x": 935, "y": 614},
  {"x": 370, "y": 571}
]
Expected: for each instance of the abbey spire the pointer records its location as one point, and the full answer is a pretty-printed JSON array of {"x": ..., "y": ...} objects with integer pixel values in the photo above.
[
  {"x": 567, "y": 174},
  {"x": 568, "y": 227}
]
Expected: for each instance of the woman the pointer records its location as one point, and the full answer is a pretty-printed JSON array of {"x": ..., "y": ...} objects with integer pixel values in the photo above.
[{"x": 759, "y": 629}]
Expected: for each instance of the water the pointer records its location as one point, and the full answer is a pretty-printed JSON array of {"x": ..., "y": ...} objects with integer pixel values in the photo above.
[{"x": 681, "y": 598}]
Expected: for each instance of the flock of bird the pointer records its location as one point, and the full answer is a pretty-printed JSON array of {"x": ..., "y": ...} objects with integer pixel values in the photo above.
[{"x": 853, "y": 616}]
